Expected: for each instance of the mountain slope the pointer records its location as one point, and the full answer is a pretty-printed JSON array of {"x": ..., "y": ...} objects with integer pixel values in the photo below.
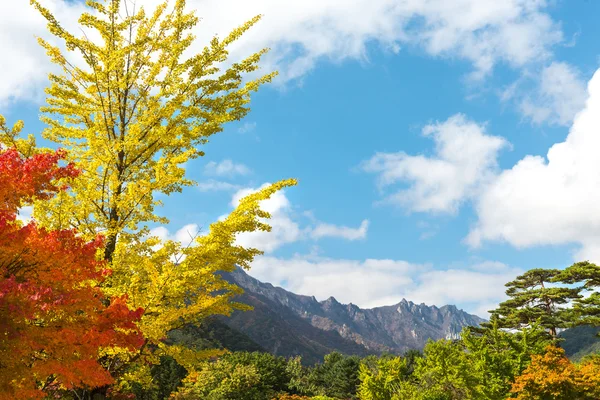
[
  {"x": 288, "y": 324},
  {"x": 213, "y": 333},
  {"x": 580, "y": 341}
]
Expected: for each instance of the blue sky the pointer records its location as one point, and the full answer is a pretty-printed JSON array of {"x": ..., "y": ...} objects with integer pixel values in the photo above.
[{"x": 419, "y": 132}]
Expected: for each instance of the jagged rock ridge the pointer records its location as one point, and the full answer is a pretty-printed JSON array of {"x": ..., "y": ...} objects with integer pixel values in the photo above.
[{"x": 288, "y": 324}]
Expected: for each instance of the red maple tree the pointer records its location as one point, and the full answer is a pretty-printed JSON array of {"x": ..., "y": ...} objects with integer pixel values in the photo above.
[{"x": 53, "y": 316}]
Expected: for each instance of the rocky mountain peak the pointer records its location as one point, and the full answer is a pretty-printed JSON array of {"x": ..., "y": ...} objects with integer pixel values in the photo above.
[{"x": 304, "y": 323}]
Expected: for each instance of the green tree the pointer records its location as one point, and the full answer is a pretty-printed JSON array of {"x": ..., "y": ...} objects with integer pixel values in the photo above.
[
  {"x": 272, "y": 370},
  {"x": 383, "y": 378},
  {"x": 537, "y": 296},
  {"x": 497, "y": 356},
  {"x": 221, "y": 380},
  {"x": 336, "y": 377},
  {"x": 446, "y": 370},
  {"x": 167, "y": 376},
  {"x": 238, "y": 375},
  {"x": 300, "y": 381},
  {"x": 412, "y": 356},
  {"x": 586, "y": 308}
]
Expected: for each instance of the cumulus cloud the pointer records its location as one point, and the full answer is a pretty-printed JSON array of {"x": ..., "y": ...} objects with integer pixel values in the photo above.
[
  {"x": 284, "y": 228},
  {"x": 549, "y": 200},
  {"x": 24, "y": 64},
  {"x": 329, "y": 230},
  {"x": 302, "y": 33},
  {"x": 376, "y": 282},
  {"x": 226, "y": 168},
  {"x": 465, "y": 158},
  {"x": 556, "y": 98},
  {"x": 216, "y": 186},
  {"x": 184, "y": 235},
  {"x": 478, "y": 288},
  {"x": 286, "y": 225}
]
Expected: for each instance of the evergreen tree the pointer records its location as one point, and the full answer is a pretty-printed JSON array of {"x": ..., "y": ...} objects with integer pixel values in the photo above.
[
  {"x": 586, "y": 308},
  {"x": 340, "y": 374},
  {"x": 498, "y": 356},
  {"x": 271, "y": 369},
  {"x": 534, "y": 297}
]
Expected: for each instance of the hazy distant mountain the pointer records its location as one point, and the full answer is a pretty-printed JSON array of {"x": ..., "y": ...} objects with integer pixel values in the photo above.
[{"x": 288, "y": 324}]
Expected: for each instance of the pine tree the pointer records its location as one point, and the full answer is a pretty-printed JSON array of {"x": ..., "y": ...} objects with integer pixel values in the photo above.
[
  {"x": 536, "y": 297},
  {"x": 586, "y": 308}
]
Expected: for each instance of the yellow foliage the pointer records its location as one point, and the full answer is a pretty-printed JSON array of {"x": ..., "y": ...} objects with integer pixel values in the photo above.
[
  {"x": 177, "y": 285},
  {"x": 137, "y": 111},
  {"x": 131, "y": 114},
  {"x": 11, "y": 137}
]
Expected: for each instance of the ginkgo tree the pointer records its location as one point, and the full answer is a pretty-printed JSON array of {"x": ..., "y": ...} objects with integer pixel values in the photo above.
[
  {"x": 136, "y": 110},
  {"x": 53, "y": 317},
  {"x": 136, "y": 105}
]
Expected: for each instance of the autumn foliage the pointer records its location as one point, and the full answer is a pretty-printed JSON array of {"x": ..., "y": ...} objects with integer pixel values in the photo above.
[
  {"x": 553, "y": 376},
  {"x": 91, "y": 317},
  {"x": 53, "y": 317}
]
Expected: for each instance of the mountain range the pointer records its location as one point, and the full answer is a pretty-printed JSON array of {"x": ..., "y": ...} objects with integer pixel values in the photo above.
[{"x": 287, "y": 324}]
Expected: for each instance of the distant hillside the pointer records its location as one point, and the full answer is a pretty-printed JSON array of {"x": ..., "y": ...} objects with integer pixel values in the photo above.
[
  {"x": 288, "y": 324},
  {"x": 214, "y": 334},
  {"x": 581, "y": 341}
]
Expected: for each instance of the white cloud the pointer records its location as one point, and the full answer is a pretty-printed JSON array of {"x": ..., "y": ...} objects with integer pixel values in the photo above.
[
  {"x": 284, "y": 228},
  {"x": 247, "y": 127},
  {"x": 24, "y": 65},
  {"x": 367, "y": 283},
  {"x": 216, "y": 186},
  {"x": 478, "y": 289},
  {"x": 301, "y": 33},
  {"x": 373, "y": 283},
  {"x": 161, "y": 232},
  {"x": 329, "y": 230},
  {"x": 286, "y": 225},
  {"x": 187, "y": 233},
  {"x": 560, "y": 94},
  {"x": 184, "y": 235},
  {"x": 25, "y": 214},
  {"x": 226, "y": 168},
  {"x": 465, "y": 158},
  {"x": 549, "y": 200},
  {"x": 361, "y": 282}
]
